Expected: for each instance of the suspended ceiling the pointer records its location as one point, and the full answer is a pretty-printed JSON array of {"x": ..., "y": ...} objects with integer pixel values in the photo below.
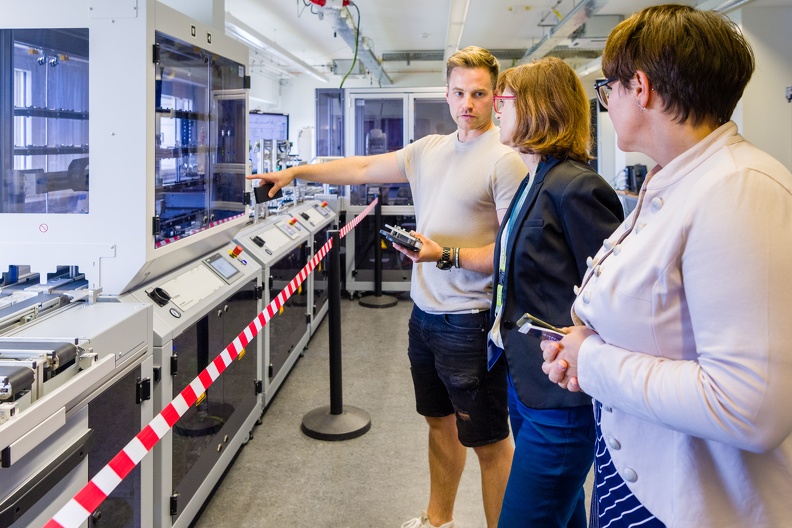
[{"x": 409, "y": 36}]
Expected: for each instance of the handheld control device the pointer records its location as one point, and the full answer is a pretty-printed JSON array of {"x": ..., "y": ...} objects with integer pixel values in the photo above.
[{"x": 397, "y": 235}]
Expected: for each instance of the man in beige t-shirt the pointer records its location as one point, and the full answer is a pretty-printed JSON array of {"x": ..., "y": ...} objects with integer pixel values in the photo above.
[{"x": 462, "y": 184}]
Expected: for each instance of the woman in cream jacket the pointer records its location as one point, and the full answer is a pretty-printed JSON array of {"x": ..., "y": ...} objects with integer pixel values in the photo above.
[{"x": 684, "y": 312}]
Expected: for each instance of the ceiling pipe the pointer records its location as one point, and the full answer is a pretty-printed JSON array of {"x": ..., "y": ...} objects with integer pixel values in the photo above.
[
  {"x": 343, "y": 25},
  {"x": 578, "y": 16}
]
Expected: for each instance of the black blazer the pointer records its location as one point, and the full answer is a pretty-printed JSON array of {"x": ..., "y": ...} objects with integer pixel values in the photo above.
[{"x": 567, "y": 214}]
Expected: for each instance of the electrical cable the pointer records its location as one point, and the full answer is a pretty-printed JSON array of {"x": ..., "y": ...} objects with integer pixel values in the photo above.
[
  {"x": 357, "y": 41},
  {"x": 306, "y": 3}
]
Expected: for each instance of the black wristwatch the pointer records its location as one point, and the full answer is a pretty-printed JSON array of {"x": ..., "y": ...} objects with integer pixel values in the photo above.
[{"x": 445, "y": 263}]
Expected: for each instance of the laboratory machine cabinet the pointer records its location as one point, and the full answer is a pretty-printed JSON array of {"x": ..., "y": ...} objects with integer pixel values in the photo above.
[
  {"x": 318, "y": 217},
  {"x": 380, "y": 121},
  {"x": 199, "y": 309},
  {"x": 75, "y": 384},
  {"x": 123, "y": 139},
  {"x": 281, "y": 246},
  {"x": 123, "y": 150}
]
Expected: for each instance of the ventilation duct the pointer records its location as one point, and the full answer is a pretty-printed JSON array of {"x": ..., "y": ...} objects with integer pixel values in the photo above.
[
  {"x": 594, "y": 33},
  {"x": 561, "y": 32},
  {"x": 344, "y": 27}
]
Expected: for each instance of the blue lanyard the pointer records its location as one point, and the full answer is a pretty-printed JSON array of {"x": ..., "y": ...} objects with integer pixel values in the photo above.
[{"x": 504, "y": 242}]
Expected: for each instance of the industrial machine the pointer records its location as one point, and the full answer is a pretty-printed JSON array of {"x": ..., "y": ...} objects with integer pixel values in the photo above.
[
  {"x": 125, "y": 181},
  {"x": 118, "y": 205},
  {"x": 280, "y": 245},
  {"x": 198, "y": 310},
  {"x": 270, "y": 128},
  {"x": 75, "y": 382},
  {"x": 318, "y": 217}
]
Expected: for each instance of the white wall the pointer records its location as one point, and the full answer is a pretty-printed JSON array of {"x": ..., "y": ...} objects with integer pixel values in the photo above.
[
  {"x": 264, "y": 93},
  {"x": 210, "y": 12},
  {"x": 763, "y": 115},
  {"x": 766, "y": 114}
]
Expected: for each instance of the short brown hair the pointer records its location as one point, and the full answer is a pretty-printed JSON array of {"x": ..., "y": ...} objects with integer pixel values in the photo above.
[
  {"x": 697, "y": 61},
  {"x": 553, "y": 115},
  {"x": 473, "y": 57}
]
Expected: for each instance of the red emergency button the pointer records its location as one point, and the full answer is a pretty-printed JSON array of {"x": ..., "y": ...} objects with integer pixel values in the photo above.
[
  {"x": 324, "y": 204},
  {"x": 293, "y": 221},
  {"x": 235, "y": 252}
]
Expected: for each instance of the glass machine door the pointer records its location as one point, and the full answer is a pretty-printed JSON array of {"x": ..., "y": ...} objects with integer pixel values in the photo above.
[
  {"x": 378, "y": 128},
  {"x": 429, "y": 115},
  {"x": 290, "y": 326},
  {"x": 44, "y": 121},
  {"x": 202, "y": 433},
  {"x": 330, "y": 122},
  {"x": 200, "y": 130}
]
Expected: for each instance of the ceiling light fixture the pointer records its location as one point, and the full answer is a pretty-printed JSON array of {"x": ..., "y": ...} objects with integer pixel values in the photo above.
[
  {"x": 456, "y": 24},
  {"x": 721, "y": 6},
  {"x": 593, "y": 66},
  {"x": 252, "y": 38}
]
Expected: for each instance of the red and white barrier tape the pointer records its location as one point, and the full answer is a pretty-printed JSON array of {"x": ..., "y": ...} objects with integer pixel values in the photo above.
[
  {"x": 77, "y": 510},
  {"x": 166, "y": 241}
]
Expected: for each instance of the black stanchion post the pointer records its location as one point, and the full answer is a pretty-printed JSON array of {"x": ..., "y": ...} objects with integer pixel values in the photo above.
[
  {"x": 335, "y": 421},
  {"x": 378, "y": 300},
  {"x": 334, "y": 319}
]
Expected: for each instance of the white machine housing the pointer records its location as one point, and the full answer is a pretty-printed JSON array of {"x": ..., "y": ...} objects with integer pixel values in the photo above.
[{"x": 113, "y": 244}]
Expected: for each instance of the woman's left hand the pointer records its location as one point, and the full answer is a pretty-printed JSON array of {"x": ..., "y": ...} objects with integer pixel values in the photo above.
[{"x": 560, "y": 357}]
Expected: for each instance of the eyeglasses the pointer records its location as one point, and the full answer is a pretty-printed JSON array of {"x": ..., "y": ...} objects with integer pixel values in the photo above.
[
  {"x": 498, "y": 100},
  {"x": 604, "y": 90}
]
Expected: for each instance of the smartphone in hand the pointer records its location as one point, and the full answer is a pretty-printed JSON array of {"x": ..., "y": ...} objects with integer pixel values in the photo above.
[{"x": 528, "y": 324}]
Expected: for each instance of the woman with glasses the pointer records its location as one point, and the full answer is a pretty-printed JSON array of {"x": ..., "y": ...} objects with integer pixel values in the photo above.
[
  {"x": 558, "y": 217},
  {"x": 683, "y": 314}
]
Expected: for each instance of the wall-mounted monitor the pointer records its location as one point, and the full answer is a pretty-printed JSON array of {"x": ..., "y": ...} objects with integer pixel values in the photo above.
[{"x": 268, "y": 126}]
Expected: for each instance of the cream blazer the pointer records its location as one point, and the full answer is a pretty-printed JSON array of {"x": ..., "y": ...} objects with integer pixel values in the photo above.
[{"x": 692, "y": 301}]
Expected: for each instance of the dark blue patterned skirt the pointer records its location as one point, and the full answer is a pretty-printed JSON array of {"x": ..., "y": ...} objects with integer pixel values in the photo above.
[{"x": 612, "y": 503}]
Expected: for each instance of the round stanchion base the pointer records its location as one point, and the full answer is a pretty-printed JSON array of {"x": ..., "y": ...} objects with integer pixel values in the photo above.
[
  {"x": 378, "y": 301},
  {"x": 322, "y": 425}
]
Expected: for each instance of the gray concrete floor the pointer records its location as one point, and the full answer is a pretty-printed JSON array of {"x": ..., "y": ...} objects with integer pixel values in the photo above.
[{"x": 284, "y": 478}]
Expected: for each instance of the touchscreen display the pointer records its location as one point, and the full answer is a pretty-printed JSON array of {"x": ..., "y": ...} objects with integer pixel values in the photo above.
[
  {"x": 324, "y": 212},
  {"x": 223, "y": 268},
  {"x": 288, "y": 229}
]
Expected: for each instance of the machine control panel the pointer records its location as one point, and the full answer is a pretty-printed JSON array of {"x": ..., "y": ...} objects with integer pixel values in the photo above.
[
  {"x": 291, "y": 228},
  {"x": 223, "y": 267}
]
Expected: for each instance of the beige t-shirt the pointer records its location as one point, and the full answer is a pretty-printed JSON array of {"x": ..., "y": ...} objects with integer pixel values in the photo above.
[{"x": 457, "y": 189}]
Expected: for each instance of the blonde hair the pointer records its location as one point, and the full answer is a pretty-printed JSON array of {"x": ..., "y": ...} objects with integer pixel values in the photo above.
[
  {"x": 553, "y": 115},
  {"x": 473, "y": 57}
]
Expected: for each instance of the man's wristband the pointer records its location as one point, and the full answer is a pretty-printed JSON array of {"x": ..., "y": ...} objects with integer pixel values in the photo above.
[{"x": 456, "y": 257}]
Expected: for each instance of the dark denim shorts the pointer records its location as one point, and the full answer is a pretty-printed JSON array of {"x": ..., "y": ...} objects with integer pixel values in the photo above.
[{"x": 448, "y": 361}]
